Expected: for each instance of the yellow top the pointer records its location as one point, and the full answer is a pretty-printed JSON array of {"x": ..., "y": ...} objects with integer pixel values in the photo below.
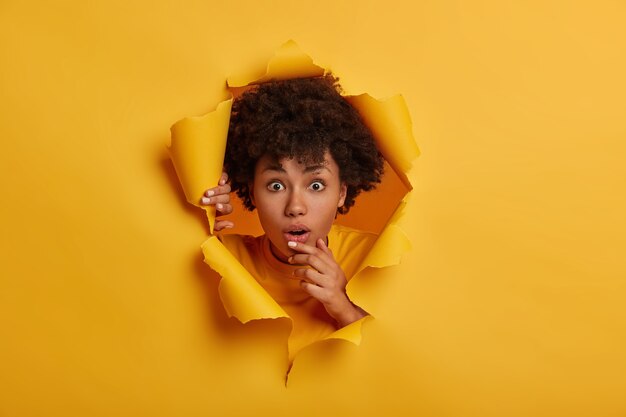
[{"x": 311, "y": 322}]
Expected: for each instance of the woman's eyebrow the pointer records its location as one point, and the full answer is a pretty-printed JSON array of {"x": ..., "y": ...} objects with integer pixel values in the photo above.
[
  {"x": 278, "y": 168},
  {"x": 314, "y": 168}
]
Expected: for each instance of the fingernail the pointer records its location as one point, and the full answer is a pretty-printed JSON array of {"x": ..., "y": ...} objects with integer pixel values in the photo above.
[
  {"x": 290, "y": 259},
  {"x": 292, "y": 244},
  {"x": 210, "y": 193},
  {"x": 219, "y": 206},
  {"x": 206, "y": 200}
]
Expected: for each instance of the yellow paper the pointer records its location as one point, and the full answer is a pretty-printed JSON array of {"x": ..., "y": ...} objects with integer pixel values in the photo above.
[
  {"x": 241, "y": 294},
  {"x": 351, "y": 332},
  {"x": 288, "y": 62},
  {"x": 197, "y": 151},
  {"x": 511, "y": 301},
  {"x": 390, "y": 124}
]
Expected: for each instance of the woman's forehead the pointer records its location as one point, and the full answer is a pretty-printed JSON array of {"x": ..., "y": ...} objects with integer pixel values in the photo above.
[
  {"x": 272, "y": 163},
  {"x": 317, "y": 159}
]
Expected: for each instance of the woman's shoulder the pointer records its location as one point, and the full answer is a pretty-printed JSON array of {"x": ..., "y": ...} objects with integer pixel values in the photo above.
[
  {"x": 346, "y": 242},
  {"x": 349, "y": 234},
  {"x": 350, "y": 246}
]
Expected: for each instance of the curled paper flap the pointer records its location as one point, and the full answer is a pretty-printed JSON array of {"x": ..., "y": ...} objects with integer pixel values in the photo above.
[
  {"x": 197, "y": 151},
  {"x": 387, "y": 251},
  {"x": 350, "y": 333},
  {"x": 289, "y": 61},
  {"x": 240, "y": 293},
  {"x": 391, "y": 244},
  {"x": 197, "y": 143},
  {"x": 390, "y": 122}
]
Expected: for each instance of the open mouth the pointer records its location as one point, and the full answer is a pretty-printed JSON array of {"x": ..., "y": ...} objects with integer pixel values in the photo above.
[{"x": 297, "y": 233}]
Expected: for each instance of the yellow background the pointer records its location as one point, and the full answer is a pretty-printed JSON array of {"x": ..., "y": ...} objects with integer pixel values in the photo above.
[{"x": 511, "y": 302}]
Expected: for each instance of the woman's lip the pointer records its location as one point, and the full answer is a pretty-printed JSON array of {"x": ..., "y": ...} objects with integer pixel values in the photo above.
[
  {"x": 297, "y": 238},
  {"x": 296, "y": 227}
]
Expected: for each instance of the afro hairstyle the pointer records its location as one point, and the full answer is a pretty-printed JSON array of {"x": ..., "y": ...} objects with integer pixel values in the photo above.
[{"x": 300, "y": 118}]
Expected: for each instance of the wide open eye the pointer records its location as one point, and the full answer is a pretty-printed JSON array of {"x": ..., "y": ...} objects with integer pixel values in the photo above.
[
  {"x": 275, "y": 186},
  {"x": 317, "y": 186}
]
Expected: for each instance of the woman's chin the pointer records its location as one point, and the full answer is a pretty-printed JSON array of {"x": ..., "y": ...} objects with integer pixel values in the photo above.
[
  {"x": 282, "y": 252},
  {"x": 281, "y": 249}
]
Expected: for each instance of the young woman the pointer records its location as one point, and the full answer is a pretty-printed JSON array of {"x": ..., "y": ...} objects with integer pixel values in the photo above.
[{"x": 299, "y": 154}]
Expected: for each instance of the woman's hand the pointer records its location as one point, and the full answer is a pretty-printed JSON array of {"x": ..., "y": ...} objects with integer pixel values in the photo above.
[
  {"x": 325, "y": 281},
  {"x": 220, "y": 198}
]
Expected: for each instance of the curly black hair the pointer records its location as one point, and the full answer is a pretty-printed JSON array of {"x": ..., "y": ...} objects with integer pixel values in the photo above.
[{"x": 300, "y": 118}]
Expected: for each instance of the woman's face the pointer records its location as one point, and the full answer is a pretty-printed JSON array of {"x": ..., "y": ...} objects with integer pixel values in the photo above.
[{"x": 296, "y": 202}]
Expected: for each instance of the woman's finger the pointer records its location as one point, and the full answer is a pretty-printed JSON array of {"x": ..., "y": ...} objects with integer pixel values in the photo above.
[
  {"x": 224, "y": 209},
  {"x": 312, "y": 250},
  {"x": 223, "y": 178},
  {"x": 322, "y": 246},
  {"x": 220, "y": 189},
  {"x": 223, "y": 224},
  {"x": 312, "y": 276},
  {"x": 224, "y": 198},
  {"x": 311, "y": 260},
  {"x": 315, "y": 291}
]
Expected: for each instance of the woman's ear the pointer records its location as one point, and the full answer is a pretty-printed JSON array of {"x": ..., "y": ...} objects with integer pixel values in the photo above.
[{"x": 343, "y": 191}]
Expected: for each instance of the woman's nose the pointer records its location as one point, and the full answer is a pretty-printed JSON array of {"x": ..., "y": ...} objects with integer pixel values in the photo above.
[{"x": 295, "y": 205}]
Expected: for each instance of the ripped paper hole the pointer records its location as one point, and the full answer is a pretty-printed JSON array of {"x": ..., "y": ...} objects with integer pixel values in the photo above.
[{"x": 197, "y": 150}]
